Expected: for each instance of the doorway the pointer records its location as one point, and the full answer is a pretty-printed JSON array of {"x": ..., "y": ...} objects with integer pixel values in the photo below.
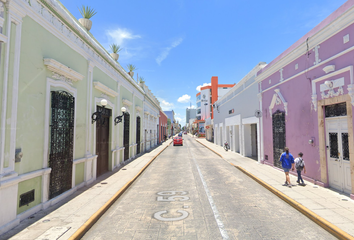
[
  {"x": 61, "y": 142},
  {"x": 337, "y": 146},
  {"x": 126, "y": 135},
  {"x": 102, "y": 140},
  {"x": 254, "y": 143},
  {"x": 278, "y": 136},
  {"x": 138, "y": 135}
]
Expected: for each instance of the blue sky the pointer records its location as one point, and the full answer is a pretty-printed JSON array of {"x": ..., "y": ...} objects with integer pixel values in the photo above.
[{"x": 178, "y": 45}]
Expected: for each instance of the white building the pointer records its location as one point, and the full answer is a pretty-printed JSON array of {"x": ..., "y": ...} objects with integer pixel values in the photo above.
[{"x": 235, "y": 118}]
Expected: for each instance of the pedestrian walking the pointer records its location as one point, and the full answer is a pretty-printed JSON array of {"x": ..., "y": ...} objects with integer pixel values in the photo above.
[
  {"x": 287, "y": 162},
  {"x": 300, "y": 165}
]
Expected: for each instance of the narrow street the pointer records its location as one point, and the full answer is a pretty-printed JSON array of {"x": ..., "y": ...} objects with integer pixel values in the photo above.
[{"x": 188, "y": 192}]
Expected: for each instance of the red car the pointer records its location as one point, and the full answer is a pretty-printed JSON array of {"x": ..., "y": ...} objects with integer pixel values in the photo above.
[{"x": 178, "y": 141}]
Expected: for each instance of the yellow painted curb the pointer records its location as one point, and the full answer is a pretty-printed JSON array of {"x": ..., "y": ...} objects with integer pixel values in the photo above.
[
  {"x": 211, "y": 149},
  {"x": 94, "y": 218},
  {"x": 329, "y": 227}
]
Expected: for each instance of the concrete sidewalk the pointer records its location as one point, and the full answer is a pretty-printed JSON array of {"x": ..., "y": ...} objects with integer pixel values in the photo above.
[
  {"x": 336, "y": 208},
  {"x": 68, "y": 217}
]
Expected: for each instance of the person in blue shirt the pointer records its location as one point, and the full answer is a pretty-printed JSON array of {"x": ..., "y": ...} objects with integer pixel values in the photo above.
[{"x": 287, "y": 162}]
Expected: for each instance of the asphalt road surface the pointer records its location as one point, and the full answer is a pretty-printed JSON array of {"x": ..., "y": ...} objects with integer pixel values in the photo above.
[{"x": 188, "y": 192}]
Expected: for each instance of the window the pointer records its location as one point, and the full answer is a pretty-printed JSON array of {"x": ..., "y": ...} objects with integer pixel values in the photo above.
[
  {"x": 198, "y": 104},
  {"x": 198, "y": 111}
]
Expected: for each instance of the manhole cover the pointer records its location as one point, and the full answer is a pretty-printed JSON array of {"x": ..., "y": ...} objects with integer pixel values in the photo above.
[
  {"x": 103, "y": 183},
  {"x": 124, "y": 169},
  {"x": 47, "y": 220}
]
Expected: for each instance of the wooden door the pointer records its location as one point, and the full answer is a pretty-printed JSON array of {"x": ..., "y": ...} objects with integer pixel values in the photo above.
[
  {"x": 102, "y": 141},
  {"x": 138, "y": 135},
  {"x": 126, "y": 135}
]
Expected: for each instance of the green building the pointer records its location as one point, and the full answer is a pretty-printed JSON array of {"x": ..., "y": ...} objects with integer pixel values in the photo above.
[{"x": 61, "y": 102}]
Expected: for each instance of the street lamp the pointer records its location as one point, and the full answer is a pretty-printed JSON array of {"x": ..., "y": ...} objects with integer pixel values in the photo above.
[
  {"x": 97, "y": 115},
  {"x": 119, "y": 119}
]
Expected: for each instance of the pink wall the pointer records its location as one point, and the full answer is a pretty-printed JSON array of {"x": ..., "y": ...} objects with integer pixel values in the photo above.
[
  {"x": 163, "y": 124},
  {"x": 301, "y": 118}
]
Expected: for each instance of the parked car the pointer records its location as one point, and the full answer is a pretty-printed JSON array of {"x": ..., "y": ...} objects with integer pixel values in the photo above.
[
  {"x": 185, "y": 132},
  {"x": 180, "y": 134},
  {"x": 178, "y": 141}
]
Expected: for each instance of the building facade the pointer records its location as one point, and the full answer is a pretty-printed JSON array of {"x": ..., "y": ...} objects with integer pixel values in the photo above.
[
  {"x": 235, "y": 119},
  {"x": 163, "y": 126},
  {"x": 151, "y": 118},
  {"x": 191, "y": 113},
  {"x": 205, "y": 99},
  {"x": 171, "y": 128},
  {"x": 307, "y": 98},
  {"x": 61, "y": 103}
]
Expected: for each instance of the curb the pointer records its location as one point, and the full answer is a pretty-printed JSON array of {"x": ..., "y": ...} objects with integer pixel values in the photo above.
[
  {"x": 94, "y": 218},
  {"x": 329, "y": 227},
  {"x": 211, "y": 149}
]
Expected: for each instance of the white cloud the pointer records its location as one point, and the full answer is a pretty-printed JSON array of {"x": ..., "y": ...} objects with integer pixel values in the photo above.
[
  {"x": 120, "y": 35},
  {"x": 165, "y": 105},
  {"x": 179, "y": 120},
  {"x": 163, "y": 55},
  {"x": 204, "y": 84},
  {"x": 184, "y": 99},
  {"x": 191, "y": 107}
]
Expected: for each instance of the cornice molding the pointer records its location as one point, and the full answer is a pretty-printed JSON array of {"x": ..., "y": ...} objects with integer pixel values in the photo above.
[
  {"x": 61, "y": 69},
  {"x": 318, "y": 38},
  {"x": 17, "y": 11},
  {"x": 240, "y": 84},
  {"x": 139, "y": 109},
  {"x": 127, "y": 102},
  {"x": 3, "y": 38},
  {"x": 57, "y": 20},
  {"x": 103, "y": 88}
]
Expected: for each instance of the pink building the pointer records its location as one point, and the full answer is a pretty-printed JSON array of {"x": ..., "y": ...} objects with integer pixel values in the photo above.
[
  {"x": 162, "y": 126},
  {"x": 307, "y": 97}
]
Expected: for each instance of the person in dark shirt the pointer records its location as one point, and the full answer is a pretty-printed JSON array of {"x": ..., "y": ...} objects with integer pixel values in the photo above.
[{"x": 287, "y": 162}]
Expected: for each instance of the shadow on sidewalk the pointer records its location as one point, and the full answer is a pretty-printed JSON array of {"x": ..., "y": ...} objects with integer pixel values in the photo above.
[{"x": 41, "y": 215}]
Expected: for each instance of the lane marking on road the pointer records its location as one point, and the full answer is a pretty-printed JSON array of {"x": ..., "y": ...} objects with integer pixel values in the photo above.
[
  {"x": 159, "y": 217},
  {"x": 217, "y": 217}
]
